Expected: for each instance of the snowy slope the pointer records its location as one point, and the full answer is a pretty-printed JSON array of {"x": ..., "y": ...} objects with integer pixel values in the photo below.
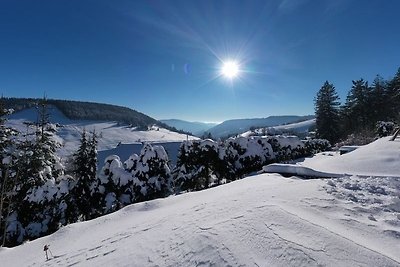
[
  {"x": 264, "y": 220},
  {"x": 111, "y": 133},
  {"x": 298, "y": 127},
  {"x": 231, "y": 127},
  {"x": 379, "y": 158}
]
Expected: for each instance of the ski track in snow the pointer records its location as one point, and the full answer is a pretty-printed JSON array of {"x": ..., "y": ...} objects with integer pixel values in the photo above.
[{"x": 265, "y": 220}]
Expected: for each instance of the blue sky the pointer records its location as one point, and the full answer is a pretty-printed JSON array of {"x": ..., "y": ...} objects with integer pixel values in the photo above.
[{"x": 163, "y": 58}]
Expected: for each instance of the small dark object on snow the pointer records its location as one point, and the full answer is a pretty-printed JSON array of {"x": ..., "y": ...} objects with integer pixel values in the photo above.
[{"x": 45, "y": 249}]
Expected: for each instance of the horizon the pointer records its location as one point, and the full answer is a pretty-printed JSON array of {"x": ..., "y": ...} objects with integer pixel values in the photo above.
[
  {"x": 205, "y": 122},
  {"x": 206, "y": 61}
]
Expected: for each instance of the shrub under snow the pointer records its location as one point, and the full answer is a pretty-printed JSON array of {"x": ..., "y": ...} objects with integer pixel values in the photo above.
[
  {"x": 141, "y": 177},
  {"x": 204, "y": 163}
]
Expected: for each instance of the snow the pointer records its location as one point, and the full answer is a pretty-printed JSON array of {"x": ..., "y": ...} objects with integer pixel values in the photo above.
[
  {"x": 297, "y": 170},
  {"x": 298, "y": 127},
  {"x": 264, "y": 220},
  {"x": 6, "y": 160},
  {"x": 110, "y": 133},
  {"x": 379, "y": 158}
]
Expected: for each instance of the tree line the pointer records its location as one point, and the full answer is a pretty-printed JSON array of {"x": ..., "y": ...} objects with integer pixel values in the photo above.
[{"x": 364, "y": 110}]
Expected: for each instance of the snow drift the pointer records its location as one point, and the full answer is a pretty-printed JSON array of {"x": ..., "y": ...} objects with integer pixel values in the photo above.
[{"x": 379, "y": 158}]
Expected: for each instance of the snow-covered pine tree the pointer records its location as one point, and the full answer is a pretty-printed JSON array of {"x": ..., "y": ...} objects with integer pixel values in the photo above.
[
  {"x": 105, "y": 189},
  {"x": 85, "y": 162},
  {"x": 36, "y": 164},
  {"x": 92, "y": 170},
  {"x": 7, "y": 170},
  {"x": 92, "y": 155},
  {"x": 201, "y": 164},
  {"x": 39, "y": 151},
  {"x": 189, "y": 175},
  {"x": 78, "y": 206},
  {"x": 48, "y": 207},
  {"x": 248, "y": 154},
  {"x": 153, "y": 171}
]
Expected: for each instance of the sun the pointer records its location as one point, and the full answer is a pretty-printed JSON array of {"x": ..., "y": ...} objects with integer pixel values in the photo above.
[{"x": 230, "y": 69}]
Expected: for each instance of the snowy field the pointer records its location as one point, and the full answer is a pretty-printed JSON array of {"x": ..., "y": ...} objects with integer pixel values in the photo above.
[
  {"x": 111, "y": 133},
  {"x": 264, "y": 220}
]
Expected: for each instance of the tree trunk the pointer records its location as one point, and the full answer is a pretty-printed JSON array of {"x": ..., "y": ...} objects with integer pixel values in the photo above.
[{"x": 396, "y": 133}]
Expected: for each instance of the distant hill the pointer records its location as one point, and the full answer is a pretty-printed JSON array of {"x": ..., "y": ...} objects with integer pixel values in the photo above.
[
  {"x": 112, "y": 136},
  {"x": 77, "y": 110},
  {"x": 300, "y": 129},
  {"x": 232, "y": 127},
  {"x": 196, "y": 128}
]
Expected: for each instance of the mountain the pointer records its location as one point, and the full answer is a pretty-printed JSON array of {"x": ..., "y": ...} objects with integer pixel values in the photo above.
[
  {"x": 231, "y": 127},
  {"x": 78, "y": 110},
  {"x": 196, "y": 128}
]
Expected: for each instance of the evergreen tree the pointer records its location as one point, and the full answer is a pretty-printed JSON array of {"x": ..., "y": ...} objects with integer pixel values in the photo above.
[
  {"x": 92, "y": 172},
  {"x": 357, "y": 106},
  {"x": 152, "y": 169},
  {"x": 393, "y": 97},
  {"x": 39, "y": 151},
  {"x": 92, "y": 156},
  {"x": 327, "y": 113},
  {"x": 202, "y": 164},
  {"x": 43, "y": 118},
  {"x": 81, "y": 157},
  {"x": 7, "y": 170},
  {"x": 105, "y": 189},
  {"x": 247, "y": 154},
  {"x": 36, "y": 164},
  {"x": 85, "y": 174},
  {"x": 378, "y": 104}
]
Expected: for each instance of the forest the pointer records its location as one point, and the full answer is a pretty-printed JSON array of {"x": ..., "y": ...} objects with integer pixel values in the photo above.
[{"x": 370, "y": 109}]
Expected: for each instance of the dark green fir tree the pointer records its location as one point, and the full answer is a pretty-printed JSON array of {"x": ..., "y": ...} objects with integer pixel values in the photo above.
[{"x": 327, "y": 113}]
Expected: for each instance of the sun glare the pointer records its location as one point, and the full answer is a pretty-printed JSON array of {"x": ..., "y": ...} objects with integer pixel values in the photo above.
[{"x": 230, "y": 69}]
